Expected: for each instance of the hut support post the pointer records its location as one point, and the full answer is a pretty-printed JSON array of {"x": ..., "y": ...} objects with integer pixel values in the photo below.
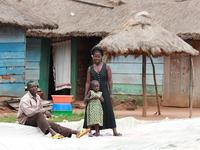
[
  {"x": 191, "y": 100},
  {"x": 144, "y": 111},
  {"x": 155, "y": 83}
]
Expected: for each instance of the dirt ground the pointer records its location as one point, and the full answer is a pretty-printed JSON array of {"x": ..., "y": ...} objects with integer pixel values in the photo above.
[
  {"x": 170, "y": 112},
  {"x": 120, "y": 110},
  {"x": 5, "y": 111},
  {"x": 166, "y": 112}
]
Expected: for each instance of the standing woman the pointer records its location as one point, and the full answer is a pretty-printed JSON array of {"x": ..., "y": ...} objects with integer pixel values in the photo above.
[{"x": 102, "y": 73}]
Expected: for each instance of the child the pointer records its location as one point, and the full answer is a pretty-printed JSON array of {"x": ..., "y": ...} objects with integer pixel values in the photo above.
[{"x": 94, "y": 108}]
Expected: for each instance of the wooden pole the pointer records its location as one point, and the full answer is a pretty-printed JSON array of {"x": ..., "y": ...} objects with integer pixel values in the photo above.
[
  {"x": 155, "y": 83},
  {"x": 144, "y": 111},
  {"x": 191, "y": 101}
]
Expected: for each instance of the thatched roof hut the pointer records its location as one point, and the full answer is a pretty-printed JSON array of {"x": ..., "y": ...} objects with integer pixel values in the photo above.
[
  {"x": 143, "y": 36},
  {"x": 18, "y": 16},
  {"x": 81, "y": 19}
]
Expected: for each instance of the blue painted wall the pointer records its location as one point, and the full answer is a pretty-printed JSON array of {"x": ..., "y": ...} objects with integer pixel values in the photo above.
[
  {"x": 33, "y": 56},
  {"x": 12, "y": 61},
  {"x": 127, "y": 75}
]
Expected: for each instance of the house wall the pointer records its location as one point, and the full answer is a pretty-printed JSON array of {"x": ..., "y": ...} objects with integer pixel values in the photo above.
[
  {"x": 74, "y": 67},
  {"x": 127, "y": 76},
  {"x": 12, "y": 61},
  {"x": 38, "y": 63},
  {"x": 127, "y": 72},
  {"x": 33, "y": 56}
]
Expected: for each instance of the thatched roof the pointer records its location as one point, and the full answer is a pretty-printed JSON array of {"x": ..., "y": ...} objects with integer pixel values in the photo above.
[
  {"x": 143, "y": 36},
  {"x": 18, "y": 16},
  {"x": 81, "y": 19}
]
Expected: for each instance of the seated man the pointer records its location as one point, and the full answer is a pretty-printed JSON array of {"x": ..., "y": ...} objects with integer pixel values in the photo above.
[{"x": 31, "y": 112}]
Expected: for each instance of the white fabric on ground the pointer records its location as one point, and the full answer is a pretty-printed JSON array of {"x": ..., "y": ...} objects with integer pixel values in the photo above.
[
  {"x": 178, "y": 134},
  {"x": 62, "y": 64}
]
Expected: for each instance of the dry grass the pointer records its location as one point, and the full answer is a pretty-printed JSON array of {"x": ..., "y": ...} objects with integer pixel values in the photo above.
[
  {"x": 20, "y": 16},
  {"x": 181, "y": 18}
]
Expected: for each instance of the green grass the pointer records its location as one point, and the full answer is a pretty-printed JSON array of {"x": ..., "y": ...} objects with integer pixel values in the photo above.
[
  {"x": 73, "y": 117},
  {"x": 139, "y": 101},
  {"x": 8, "y": 119},
  {"x": 54, "y": 118}
]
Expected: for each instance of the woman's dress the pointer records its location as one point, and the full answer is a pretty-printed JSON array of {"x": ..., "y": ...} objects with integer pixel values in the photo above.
[{"x": 108, "y": 114}]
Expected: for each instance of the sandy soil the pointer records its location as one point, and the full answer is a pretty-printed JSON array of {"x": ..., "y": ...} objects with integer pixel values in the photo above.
[{"x": 170, "y": 112}]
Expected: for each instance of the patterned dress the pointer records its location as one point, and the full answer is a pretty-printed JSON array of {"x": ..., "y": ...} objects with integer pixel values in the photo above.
[{"x": 94, "y": 110}]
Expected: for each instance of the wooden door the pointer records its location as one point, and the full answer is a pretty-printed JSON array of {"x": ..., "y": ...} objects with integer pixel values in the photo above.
[
  {"x": 176, "y": 86},
  {"x": 84, "y": 61},
  {"x": 196, "y": 72}
]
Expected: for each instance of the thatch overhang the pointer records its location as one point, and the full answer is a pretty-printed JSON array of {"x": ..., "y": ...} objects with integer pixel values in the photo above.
[
  {"x": 142, "y": 35},
  {"x": 13, "y": 14},
  {"x": 80, "y": 19}
]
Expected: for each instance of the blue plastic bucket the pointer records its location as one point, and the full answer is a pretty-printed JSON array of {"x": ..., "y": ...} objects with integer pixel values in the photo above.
[{"x": 62, "y": 107}]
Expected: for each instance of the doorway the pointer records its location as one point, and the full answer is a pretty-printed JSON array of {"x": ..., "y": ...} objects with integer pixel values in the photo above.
[{"x": 84, "y": 61}]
